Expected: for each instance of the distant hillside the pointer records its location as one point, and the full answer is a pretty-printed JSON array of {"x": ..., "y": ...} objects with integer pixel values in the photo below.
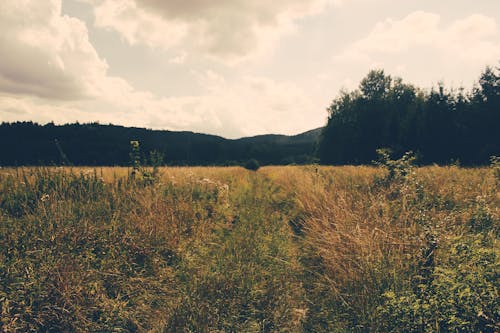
[
  {"x": 305, "y": 137},
  {"x": 27, "y": 143}
]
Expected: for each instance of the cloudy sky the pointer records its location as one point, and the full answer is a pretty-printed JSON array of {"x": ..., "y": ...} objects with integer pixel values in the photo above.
[{"x": 227, "y": 67}]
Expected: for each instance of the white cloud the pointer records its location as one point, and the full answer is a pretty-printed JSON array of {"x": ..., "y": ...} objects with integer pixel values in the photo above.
[
  {"x": 136, "y": 25},
  {"x": 420, "y": 47},
  {"x": 44, "y": 53},
  {"x": 228, "y": 30},
  {"x": 179, "y": 59},
  {"x": 392, "y": 36},
  {"x": 421, "y": 29},
  {"x": 28, "y": 108},
  {"x": 338, "y": 3},
  {"x": 254, "y": 105},
  {"x": 53, "y": 73},
  {"x": 234, "y": 108}
]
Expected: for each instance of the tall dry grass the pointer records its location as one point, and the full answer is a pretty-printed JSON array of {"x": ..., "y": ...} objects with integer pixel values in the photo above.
[
  {"x": 198, "y": 249},
  {"x": 295, "y": 249},
  {"x": 363, "y": 234}
]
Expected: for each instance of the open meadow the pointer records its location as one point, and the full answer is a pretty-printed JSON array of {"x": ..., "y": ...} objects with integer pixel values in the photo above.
[{"x": 283, "y": 249}]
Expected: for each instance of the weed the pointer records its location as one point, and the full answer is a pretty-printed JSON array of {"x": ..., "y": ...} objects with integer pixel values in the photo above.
[{"x": 140, "y": 173}]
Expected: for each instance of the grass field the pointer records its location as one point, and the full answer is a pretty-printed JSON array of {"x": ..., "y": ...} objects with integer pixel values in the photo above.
[{"x": 283, "y": 249}]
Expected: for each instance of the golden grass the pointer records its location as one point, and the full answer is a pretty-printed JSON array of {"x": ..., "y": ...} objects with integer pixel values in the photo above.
[
  {"x": 369, "y": 236},
  {"x": 295, "y": 248}
]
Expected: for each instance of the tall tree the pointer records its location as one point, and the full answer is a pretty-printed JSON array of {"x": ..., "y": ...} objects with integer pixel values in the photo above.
[{"x": 441, "y": 125}]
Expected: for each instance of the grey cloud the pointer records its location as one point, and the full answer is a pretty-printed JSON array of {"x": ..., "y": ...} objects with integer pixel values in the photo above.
[
  {"x": 223, "y": 29},
  {"x": 44, "y": 53},
  {"x": 13, "y": 111},
  {"x": 28, "y": 70},
  {"x": 229, "y": 26},
  {"x": 263, "y": 11}
]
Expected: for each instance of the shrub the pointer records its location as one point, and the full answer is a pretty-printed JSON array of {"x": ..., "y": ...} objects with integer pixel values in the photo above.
[
  {"x": 398, "y": 169},
  {"x": 252, "y": 165},
  {"x": 461, "y": 297}
]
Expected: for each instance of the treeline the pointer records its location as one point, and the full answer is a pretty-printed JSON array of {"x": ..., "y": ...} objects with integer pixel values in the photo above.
[
  {"x": 440, "y": 126},
  {"x": 28, "y": 143}
]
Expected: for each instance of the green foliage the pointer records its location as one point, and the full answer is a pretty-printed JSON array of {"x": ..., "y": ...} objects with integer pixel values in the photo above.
[
  {"x": 252, "y": 165},
  {"x": 495, "y": 166},
  {"x": 443, "y": 126},
  {"x": 135, "y": 157},
  {"x": 156, "y": 158},
  {"x": 141, "y": 173},
  {"x": 482, "y": 221},
  {"x": 375, "y": 85},
  {"x": 398, "y": 170},
  {"x": 462, "y": 296},
  {"x": 453, "y": 282}
]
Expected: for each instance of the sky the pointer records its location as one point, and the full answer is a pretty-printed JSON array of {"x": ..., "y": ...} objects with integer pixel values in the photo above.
[{"x": 228, "y": 67}]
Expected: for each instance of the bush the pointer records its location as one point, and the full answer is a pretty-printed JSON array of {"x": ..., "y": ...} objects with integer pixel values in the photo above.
[
  {"x": 462, "y": 296},
  {"x": 398, "y": 169},
  {"x": 252, "y": 165}
]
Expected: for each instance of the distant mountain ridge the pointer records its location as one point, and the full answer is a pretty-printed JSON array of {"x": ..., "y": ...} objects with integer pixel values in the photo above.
[
  {"x": 308, "y": 136},
  {"x": 28, "y": 143}
]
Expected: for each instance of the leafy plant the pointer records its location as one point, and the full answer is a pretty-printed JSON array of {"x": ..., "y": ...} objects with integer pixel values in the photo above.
[
  {"x": 462, "y": 296},
  {"x": 398, "y": 169},
  {"x": 140, "y": 172},
  {"x": 135, "y": 158},
  {"x": 495, "y": 165}
]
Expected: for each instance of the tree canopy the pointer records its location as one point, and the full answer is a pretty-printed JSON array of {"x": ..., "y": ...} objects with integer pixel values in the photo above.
[{"x": 440, "y": 126}]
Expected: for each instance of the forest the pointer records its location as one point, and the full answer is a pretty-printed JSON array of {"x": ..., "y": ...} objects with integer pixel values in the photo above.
[
  {"x": 109, "y": 145},
  {"x": 443, "y": 126}
]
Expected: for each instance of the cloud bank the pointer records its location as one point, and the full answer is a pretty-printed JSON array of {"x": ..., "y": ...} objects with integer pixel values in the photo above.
[
  {"x": 421, "y": 47},
  {"x": 44, "y": 53},
  {"x": 229, "y": 31}
]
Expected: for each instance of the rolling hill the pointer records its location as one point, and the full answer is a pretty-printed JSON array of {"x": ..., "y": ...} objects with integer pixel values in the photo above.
[{"x": 27, "y": 143}]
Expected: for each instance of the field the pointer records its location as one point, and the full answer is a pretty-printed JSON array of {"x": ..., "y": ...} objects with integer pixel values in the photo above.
[{"x": 282, "y": 249}]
